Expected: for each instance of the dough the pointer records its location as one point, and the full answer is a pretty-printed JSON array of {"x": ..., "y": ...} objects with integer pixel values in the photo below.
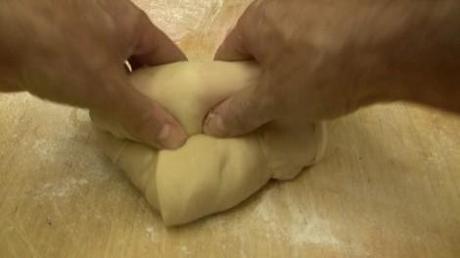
[{"x": 207, "y": 175}]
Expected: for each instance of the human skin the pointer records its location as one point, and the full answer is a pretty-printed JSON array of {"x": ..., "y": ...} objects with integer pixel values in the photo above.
[
  {"x": 323, "y": 59},
  {"x": 73, "y": 52}
]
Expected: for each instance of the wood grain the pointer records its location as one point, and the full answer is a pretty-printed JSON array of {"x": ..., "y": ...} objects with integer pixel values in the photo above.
[{"x": 389, "y": 186}]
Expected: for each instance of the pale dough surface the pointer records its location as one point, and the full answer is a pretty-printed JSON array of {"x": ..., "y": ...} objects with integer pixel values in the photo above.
[{"x": 207, "y": 175}]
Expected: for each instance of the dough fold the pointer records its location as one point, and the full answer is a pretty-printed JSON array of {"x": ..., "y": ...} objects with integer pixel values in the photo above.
[{"x": 207, "y": 175}]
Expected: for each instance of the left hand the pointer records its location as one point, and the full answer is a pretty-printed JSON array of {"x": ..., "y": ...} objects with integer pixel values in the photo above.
[{"x": 73, "y": 52}]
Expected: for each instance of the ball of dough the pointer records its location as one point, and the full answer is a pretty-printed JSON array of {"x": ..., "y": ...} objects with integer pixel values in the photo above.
[{"x": 206, "y": 175}]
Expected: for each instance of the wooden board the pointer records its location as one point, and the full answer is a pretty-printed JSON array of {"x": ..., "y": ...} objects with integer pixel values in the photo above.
[{"x": 389, "y": 186}]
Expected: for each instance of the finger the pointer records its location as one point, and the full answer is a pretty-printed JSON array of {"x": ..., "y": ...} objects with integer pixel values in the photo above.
[
  {"x": 148, "y": 121},
  {"x": 142, "y": 118},
  {"x": 153, "y": 46},
  {"x": 240, "y": 114},
  {"x": 236, "y": 46},
  {"x": 233, "y": 48}
]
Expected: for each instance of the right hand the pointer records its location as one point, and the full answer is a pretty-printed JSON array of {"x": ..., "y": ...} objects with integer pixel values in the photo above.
[
  {"x": 324, "y": 59},
  {"x": 73, "y": 52}
]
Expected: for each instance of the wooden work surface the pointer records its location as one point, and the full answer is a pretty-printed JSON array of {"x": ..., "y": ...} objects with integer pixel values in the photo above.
[{"x": 388, "y": 187}]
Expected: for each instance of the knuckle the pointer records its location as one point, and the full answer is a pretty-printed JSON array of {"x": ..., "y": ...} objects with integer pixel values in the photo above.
[{"x": 239, "y": 122}]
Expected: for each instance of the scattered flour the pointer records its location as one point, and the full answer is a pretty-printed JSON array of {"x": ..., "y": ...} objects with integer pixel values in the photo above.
[
  {"x": 178, "y": 23},
  {"x": 301, "y": 228},
  {"x": 45, "y": 149},
  {"x": 62, "y": 188},
  {"x": 185, "y": 251},
  {"x": 150, "y": 233},
  {"x": 316, "y": 231}
]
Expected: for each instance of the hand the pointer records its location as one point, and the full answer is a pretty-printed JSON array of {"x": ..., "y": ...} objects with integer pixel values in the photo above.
[
  {"x": 74, "y": 51},
  {"x": 323, "y": 59}
]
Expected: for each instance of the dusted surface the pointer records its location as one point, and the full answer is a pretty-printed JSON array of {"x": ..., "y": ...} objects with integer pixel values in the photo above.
[{"x": 389, "y": 186}]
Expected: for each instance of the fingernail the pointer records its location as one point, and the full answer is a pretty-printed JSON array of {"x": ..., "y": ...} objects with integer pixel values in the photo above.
[
  {"x": 164, "y": 132},
  {"x": 171, "y": 138},
  {"x": 214, "y": 125}
]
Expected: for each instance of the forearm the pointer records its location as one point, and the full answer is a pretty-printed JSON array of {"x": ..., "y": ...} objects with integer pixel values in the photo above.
[
  {"x": 432, "y": 63},
  {"x": 421, "y": 61},
  {"x": 12, "y": 46}
]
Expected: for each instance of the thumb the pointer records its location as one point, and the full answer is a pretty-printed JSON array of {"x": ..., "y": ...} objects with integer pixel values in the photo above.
[
  {"x": 148, "y": 122},
  {"x": 240, "y": 114},
  {"x": 143, "y": 119}
]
